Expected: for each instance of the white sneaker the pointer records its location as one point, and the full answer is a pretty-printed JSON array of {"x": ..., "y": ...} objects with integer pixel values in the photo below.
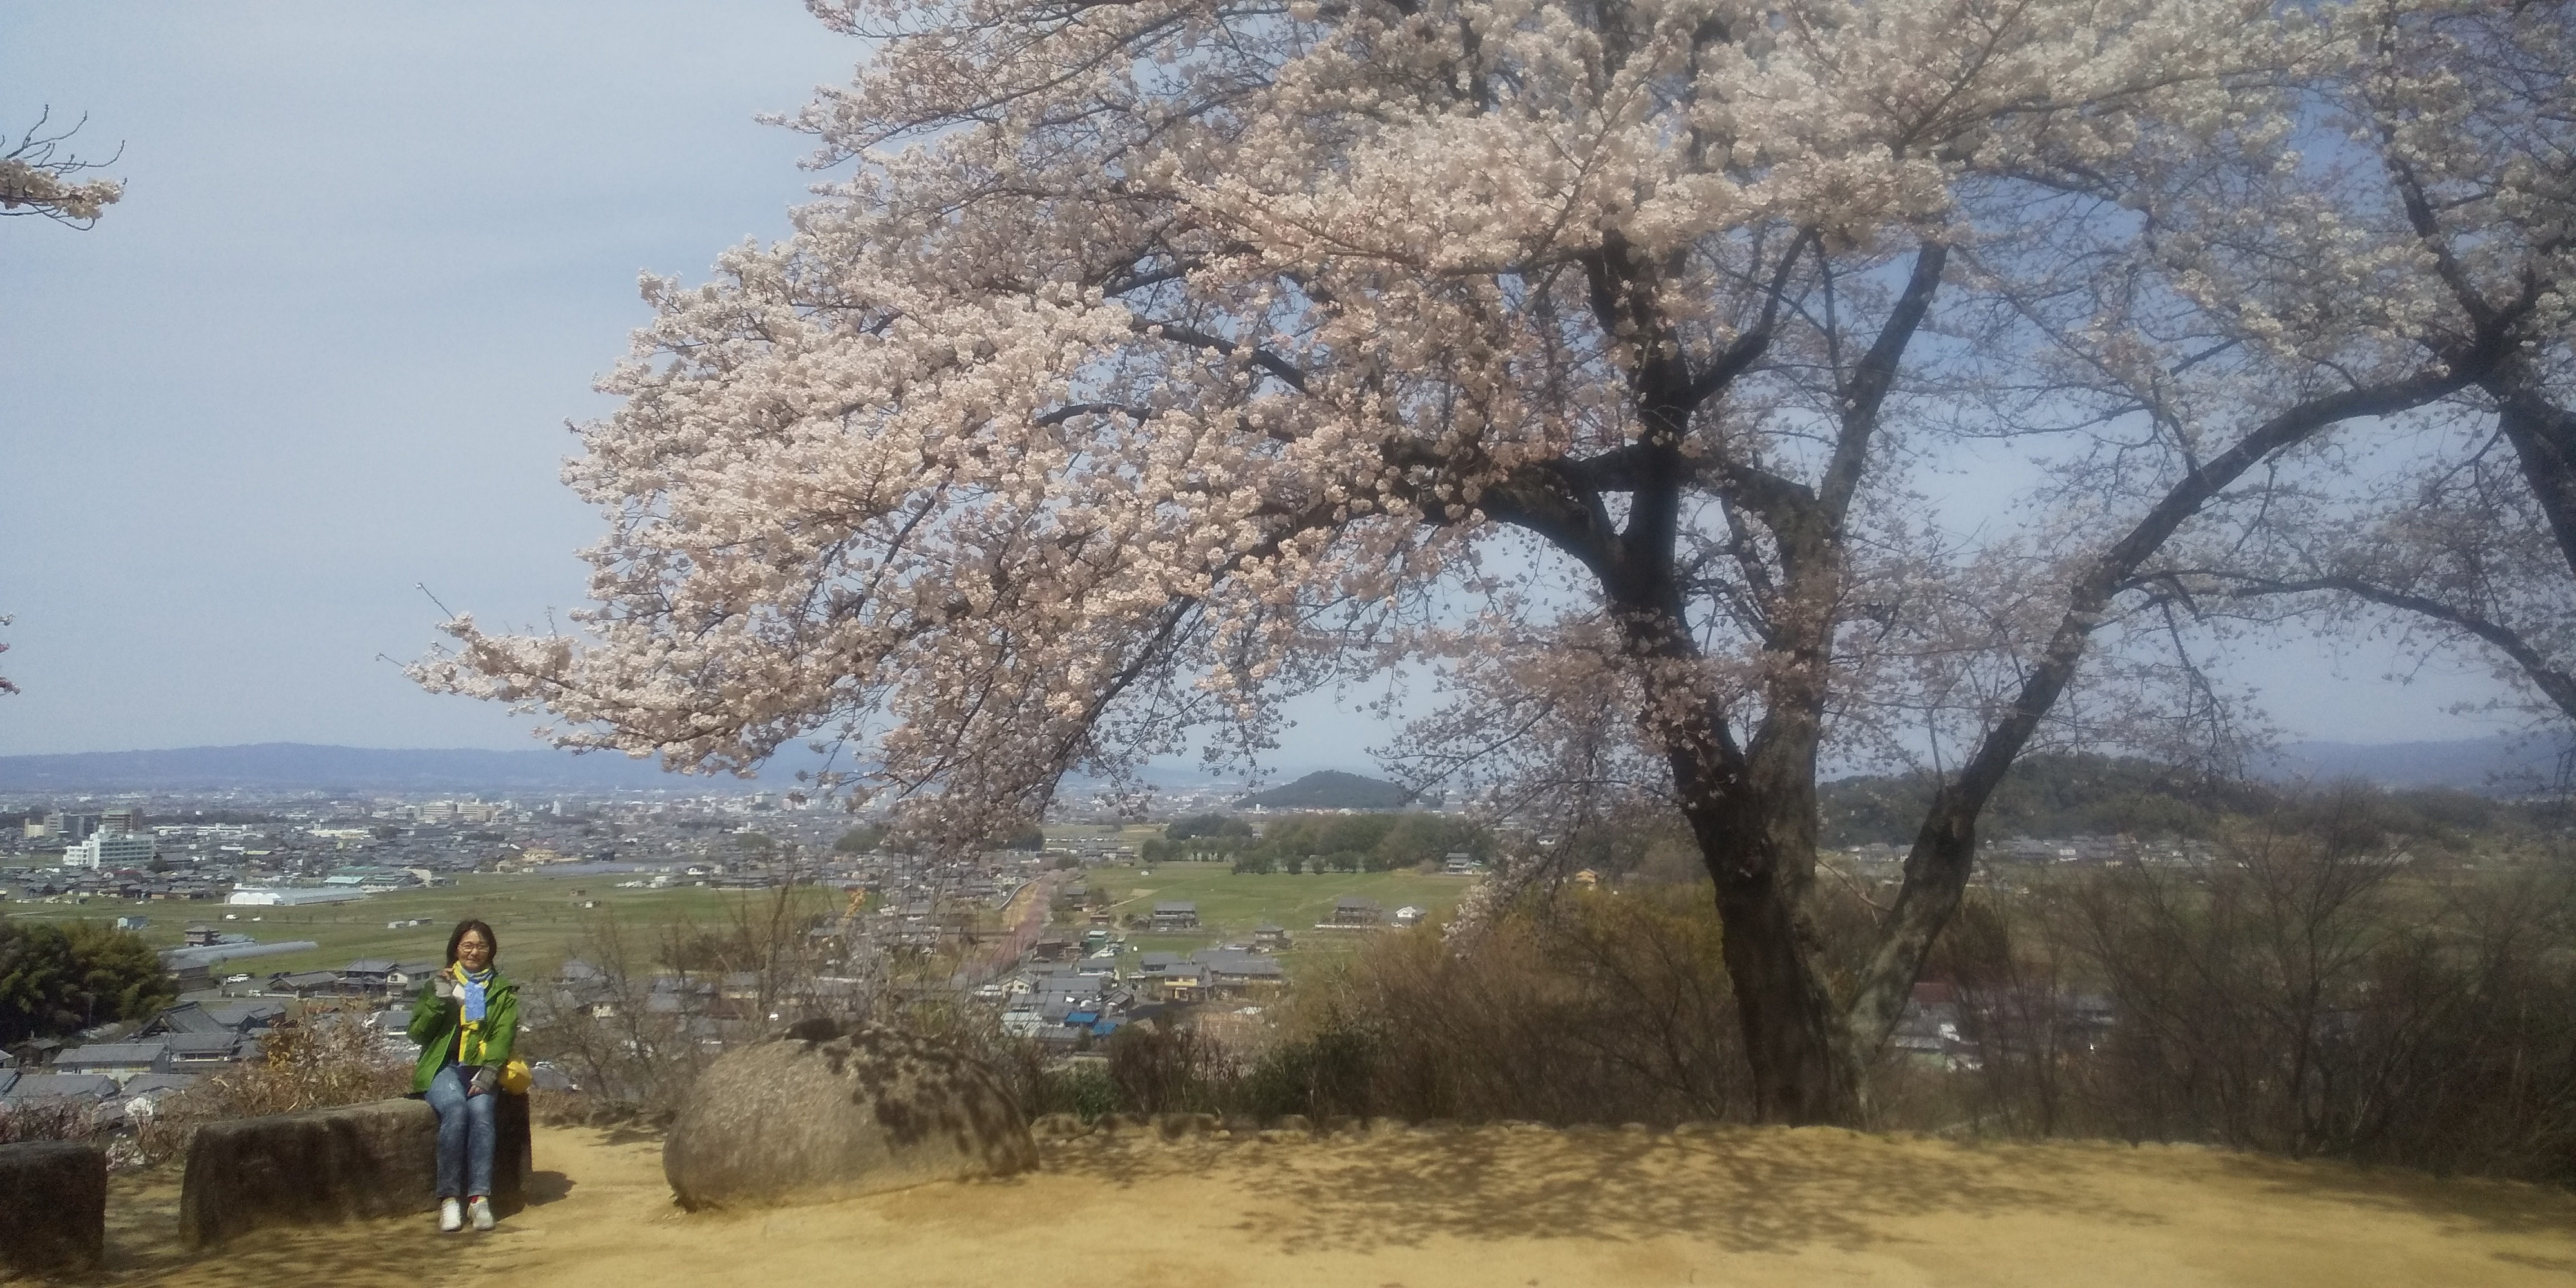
[
  {"x": 451, "y": 1216},
  {"x": 482, "y": 1209}
]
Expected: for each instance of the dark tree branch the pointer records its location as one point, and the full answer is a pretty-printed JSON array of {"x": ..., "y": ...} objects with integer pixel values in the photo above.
[
  {"x": 1944, "y": 851},
  {"x": 2558, "y": 684},
  {"x": 1875, "y": 375},
  {"x": 1289, "y": 373}
]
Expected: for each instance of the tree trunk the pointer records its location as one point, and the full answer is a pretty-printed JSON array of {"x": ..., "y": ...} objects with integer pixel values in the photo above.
[
  {"x": 2544, "y": 441},
  {"x": 1756, "y": 824},
  {"x": 1803, "y": 1073}
]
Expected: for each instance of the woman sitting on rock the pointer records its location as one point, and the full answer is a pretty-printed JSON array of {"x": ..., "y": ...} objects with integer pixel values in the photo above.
[{"x": 464, "y": 1020}]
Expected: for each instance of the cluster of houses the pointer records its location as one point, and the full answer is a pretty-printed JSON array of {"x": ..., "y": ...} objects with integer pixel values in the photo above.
[
  {"x": 2087, "y": 849},
  {"x": 371, "y": 980},
  {"x": 1349, "y": 912},
  {"x": 127, "y": 1074},
  {"x": 120, "y": 1070},
  {"x": 1942, "y": 1026},
  {"x": 1070, "y": 1003}
]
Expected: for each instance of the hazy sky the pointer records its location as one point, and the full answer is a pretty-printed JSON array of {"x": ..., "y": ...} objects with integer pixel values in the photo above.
[{"x": 370, "y": 257}]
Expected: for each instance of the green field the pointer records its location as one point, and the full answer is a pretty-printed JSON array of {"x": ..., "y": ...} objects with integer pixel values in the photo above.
[
  {"x": 540, "y": 919},
  {"x": 1230, "y": 905}
]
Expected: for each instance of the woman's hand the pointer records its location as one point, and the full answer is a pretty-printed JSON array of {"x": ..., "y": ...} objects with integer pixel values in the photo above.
[
  {"x": 445, "y": 987},
  {"x": 481, "y": 1084}
]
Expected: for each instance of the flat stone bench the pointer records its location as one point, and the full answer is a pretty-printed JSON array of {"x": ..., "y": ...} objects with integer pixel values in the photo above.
[
  {"x": 53, "y": 1206},
  {"x": 351, "y": 1163}
]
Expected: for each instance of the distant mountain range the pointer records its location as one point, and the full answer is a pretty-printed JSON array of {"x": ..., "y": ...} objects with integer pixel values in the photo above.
[
  {"x": 295, "y": 766},
  {"x": 2506, "y": 764},
  {"x": 2497, "y": 764}
]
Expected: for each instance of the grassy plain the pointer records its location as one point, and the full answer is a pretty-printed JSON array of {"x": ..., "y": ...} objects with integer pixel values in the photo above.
[
  {"x": 1230, "y": 905},
  {"x": 539, "y": 918}
]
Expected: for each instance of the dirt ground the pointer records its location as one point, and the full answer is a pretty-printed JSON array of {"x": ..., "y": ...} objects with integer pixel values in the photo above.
[{"x": 1429, "y": 1209}]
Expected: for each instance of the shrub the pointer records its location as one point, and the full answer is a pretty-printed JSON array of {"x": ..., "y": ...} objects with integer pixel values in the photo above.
[{"x": 1155, "y": 1069}]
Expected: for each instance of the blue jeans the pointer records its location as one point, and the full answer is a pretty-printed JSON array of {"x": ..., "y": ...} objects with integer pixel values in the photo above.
[{"x": 464, "y": 1134}]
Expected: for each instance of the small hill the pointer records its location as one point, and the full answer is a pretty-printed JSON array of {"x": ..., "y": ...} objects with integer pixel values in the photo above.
[{"x": 1330, "y": 789}]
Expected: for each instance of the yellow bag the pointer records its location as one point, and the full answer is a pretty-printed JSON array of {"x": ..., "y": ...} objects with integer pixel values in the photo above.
[{"x": 516, "y": 1078}]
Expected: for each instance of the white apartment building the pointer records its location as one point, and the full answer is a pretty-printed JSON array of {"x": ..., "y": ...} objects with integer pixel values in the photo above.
[{"x": 112, "y": 850}]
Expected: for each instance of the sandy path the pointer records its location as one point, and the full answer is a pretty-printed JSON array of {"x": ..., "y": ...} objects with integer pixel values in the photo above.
[{"x": 1491, "y": 1206}]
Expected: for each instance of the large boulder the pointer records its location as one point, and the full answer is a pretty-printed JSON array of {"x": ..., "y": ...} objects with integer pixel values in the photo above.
[
  {"x": 53, "y": 1206},
  {"x": 353, "y": 1162},
  {"x": 825, "y": 1111}
]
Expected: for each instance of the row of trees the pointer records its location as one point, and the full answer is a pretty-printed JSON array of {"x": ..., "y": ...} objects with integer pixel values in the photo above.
[
  {"x": 1363, "y": 843},
  {"x": 1321, "y": 842},
  {"x": 1152, "y": 361}
]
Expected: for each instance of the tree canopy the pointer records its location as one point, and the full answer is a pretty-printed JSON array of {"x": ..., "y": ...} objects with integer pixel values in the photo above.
[{"x": 58, "y": 978}]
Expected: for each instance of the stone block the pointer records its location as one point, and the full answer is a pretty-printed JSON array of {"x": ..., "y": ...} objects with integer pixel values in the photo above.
[
  {"x": 53, "y": 1206},
  {"x": 1178, "y": 1126},
  {"x": 350, "y": 1163},
  {"x": 1059, "y": 1127},
  {"x": 823, "y": 1111}
]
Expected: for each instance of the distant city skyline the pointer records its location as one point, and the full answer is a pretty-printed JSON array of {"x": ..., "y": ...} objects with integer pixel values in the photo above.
[{"x": 368, "y": 262}]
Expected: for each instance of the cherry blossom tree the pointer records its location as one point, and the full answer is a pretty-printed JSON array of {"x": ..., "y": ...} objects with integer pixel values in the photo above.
[
  {"x": 1158, "y": 359},
  {"x": 2445, "y": 209},
  {"x": 38, "y": 178}
]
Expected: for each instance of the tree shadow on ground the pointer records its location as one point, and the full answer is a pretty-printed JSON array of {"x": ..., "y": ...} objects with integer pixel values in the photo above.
[
  {"x": 2458, "y": 1205},
  {"x": 408, "y": 1252},
  {"x": 143, "y": 1245},
  {"x": 1752, "y": 1191}
]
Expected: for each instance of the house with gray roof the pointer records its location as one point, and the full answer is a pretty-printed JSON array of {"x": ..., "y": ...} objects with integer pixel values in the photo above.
[
  {"x": 1355, "y": 910},
  {"x": 32, "y": 1087},
  {"x": 233, "y": 1017},
  {"x": 118, "y": 1060},
  {"x": 1234, "y": 968},
  {"x": 200, "y": 1050},
  {"x": 154, "y": 1086}
]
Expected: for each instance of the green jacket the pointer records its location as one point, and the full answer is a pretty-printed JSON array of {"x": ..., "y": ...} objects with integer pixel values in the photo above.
[{"x": 434, "y": 1023}]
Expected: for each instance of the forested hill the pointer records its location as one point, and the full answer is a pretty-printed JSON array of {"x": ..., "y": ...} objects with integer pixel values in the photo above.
[
  {"x": 2057, "y": 796},
  {"x": 1330, "y": 789}
]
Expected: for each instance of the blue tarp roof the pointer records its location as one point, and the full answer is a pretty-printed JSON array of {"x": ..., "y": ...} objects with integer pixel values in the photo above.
[{"x": 1082, "y": 1017}]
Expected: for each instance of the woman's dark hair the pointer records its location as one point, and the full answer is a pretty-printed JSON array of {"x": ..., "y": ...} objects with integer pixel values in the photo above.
[{"x": 458, "y": 937}]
